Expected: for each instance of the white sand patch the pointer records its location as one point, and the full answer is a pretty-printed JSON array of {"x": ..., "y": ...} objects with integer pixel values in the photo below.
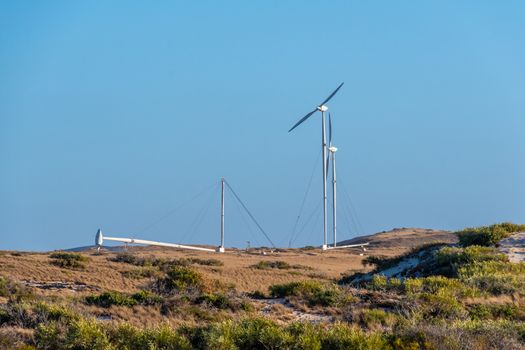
[
  {"x": 402, "y": 266},
  {"x": 514, "y": 247}
]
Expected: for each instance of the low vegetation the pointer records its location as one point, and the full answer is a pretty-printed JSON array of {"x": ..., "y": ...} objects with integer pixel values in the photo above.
[
  {"x": 487, "y": 235},
  {"x": 179, "y": 279},
  {"x": 309, "y": 292},
  {"x": 108, "y": 299},
  {"x": 69, "y": 260},
  {"x": 455, "y": 297},
  {"x": 12, "y": 290},
  {"x": 277, "y": 264},
  {"x": 163, "y": 263}
]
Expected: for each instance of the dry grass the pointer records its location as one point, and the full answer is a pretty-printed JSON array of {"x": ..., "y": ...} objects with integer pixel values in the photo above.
[{"x": 103, "y": 275}]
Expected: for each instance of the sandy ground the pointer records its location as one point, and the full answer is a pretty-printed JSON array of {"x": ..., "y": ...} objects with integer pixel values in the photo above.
[{"x": 514, "y": 247}]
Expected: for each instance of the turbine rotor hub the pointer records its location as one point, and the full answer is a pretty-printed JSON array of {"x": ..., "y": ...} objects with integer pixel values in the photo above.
[{"x": 322, "y": 108}]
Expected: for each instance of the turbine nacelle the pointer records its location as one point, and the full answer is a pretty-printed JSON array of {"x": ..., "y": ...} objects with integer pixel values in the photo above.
[
  {"x": 320, "y": 108},
  {"x": 332, "y": 149},
  {"x": 99, "y": 238}
]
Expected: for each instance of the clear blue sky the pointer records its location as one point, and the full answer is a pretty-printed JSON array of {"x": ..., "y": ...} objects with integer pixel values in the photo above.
[{"x": 113, "y": 113}]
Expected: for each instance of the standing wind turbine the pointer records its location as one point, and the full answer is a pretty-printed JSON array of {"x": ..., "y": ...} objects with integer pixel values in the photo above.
[
  {"x": 322, "y": 108},
  {"x": 332, "y": 151}
]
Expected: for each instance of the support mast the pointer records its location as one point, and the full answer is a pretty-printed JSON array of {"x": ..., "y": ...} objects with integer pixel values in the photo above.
[
  {"x": 334, "y": 195},
  {"x": 221, "y": 248},
  {"x": 325, "y": 246}
]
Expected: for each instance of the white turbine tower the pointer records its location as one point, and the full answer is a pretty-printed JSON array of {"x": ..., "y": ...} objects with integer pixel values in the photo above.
[
  {"x": 332, "y": 151},
  {"x": 321, "y": 108}
]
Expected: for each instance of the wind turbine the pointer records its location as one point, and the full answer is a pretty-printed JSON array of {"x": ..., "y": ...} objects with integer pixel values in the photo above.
[
  {"x": 321, "y": 108},
  {"x": 332, "y": 151}
]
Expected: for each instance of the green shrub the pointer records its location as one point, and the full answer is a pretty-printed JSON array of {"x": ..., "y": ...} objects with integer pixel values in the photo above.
[
  {"x": 128, "y": 258},
  {"x": 218, "y": 336},
  {"x": 50, "y": 336},
  {"x": 219, "y": 301},
  {"x": 260, "y": 333},
  {"x": 87, "y": 334},
  {"x": 487, "y": 235},
  {"x": 378, "y": 282},
  {"x": 78, "y": 334},
  {"x": 413, "y": 285},
  {"x": 265, "y": 265},
  {"x": 69, "y": 260},
  {"x": 4, "y": 287},
  {"x": 257, "y": 294},
  {"x": 341, "y": 336},
  {"x": 54, "y": 312},
  {"x": 164, "y": 337},
  {"x": 141, "y": 272},
  {"x": 108, "y": 299},
  {"x": 28, "y": 314},
  {"x": 376, "y": 318},
  {"x": 494, "y": 312},
  {"x": 19, "y": 314},
  {"x": 145, "y": 297},
  {"x": 480, "y": 312},
  {"x": 452, "y": 286},
  {"x": 180, "y": 278},
  {"x": 13, "y": 290},
  {"x": 441, "y": 305},
  {"x": 312, "y": 292},
  {"x": 127, "y": 337},
  {"x": 495, "y": 277},
  {"x": 205, "y": 262},
  {"x": 448, "y": 261},
  {"x": 469, "y": 255},
  {"x": 163, "y": 264},
  {"x": 305, "y": 336}
]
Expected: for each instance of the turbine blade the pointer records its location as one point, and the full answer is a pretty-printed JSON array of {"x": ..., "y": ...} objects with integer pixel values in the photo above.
[
  {"x": 331, "y": 95},
  {"x": 330, "y": 129},
  {"x": 303, "y": 119},
  {"x": 327, "y": 163}
]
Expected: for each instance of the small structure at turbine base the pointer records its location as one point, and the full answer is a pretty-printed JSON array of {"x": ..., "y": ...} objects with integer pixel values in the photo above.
[{"x": 362, "y": 246}]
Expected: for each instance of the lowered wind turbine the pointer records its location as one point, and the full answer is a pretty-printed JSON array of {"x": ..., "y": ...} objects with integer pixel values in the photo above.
[{"x": 321, "y": 108}]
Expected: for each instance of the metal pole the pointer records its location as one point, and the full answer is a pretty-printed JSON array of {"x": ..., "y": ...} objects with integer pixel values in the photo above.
[
  {"x": 325, "y": 246},
  {"x": 334, "y": 198},
  {"x": 221, "y": 248}
]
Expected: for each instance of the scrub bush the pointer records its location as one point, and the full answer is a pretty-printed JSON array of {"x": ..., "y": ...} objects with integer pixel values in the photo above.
[
  {"x": 487, "y": 235},
  {"x": 69, "y": 260},
  {"x": 108, "y": 299},
  {"x": 180, "y": 278},
  {"x": 314, "y": 293}
]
